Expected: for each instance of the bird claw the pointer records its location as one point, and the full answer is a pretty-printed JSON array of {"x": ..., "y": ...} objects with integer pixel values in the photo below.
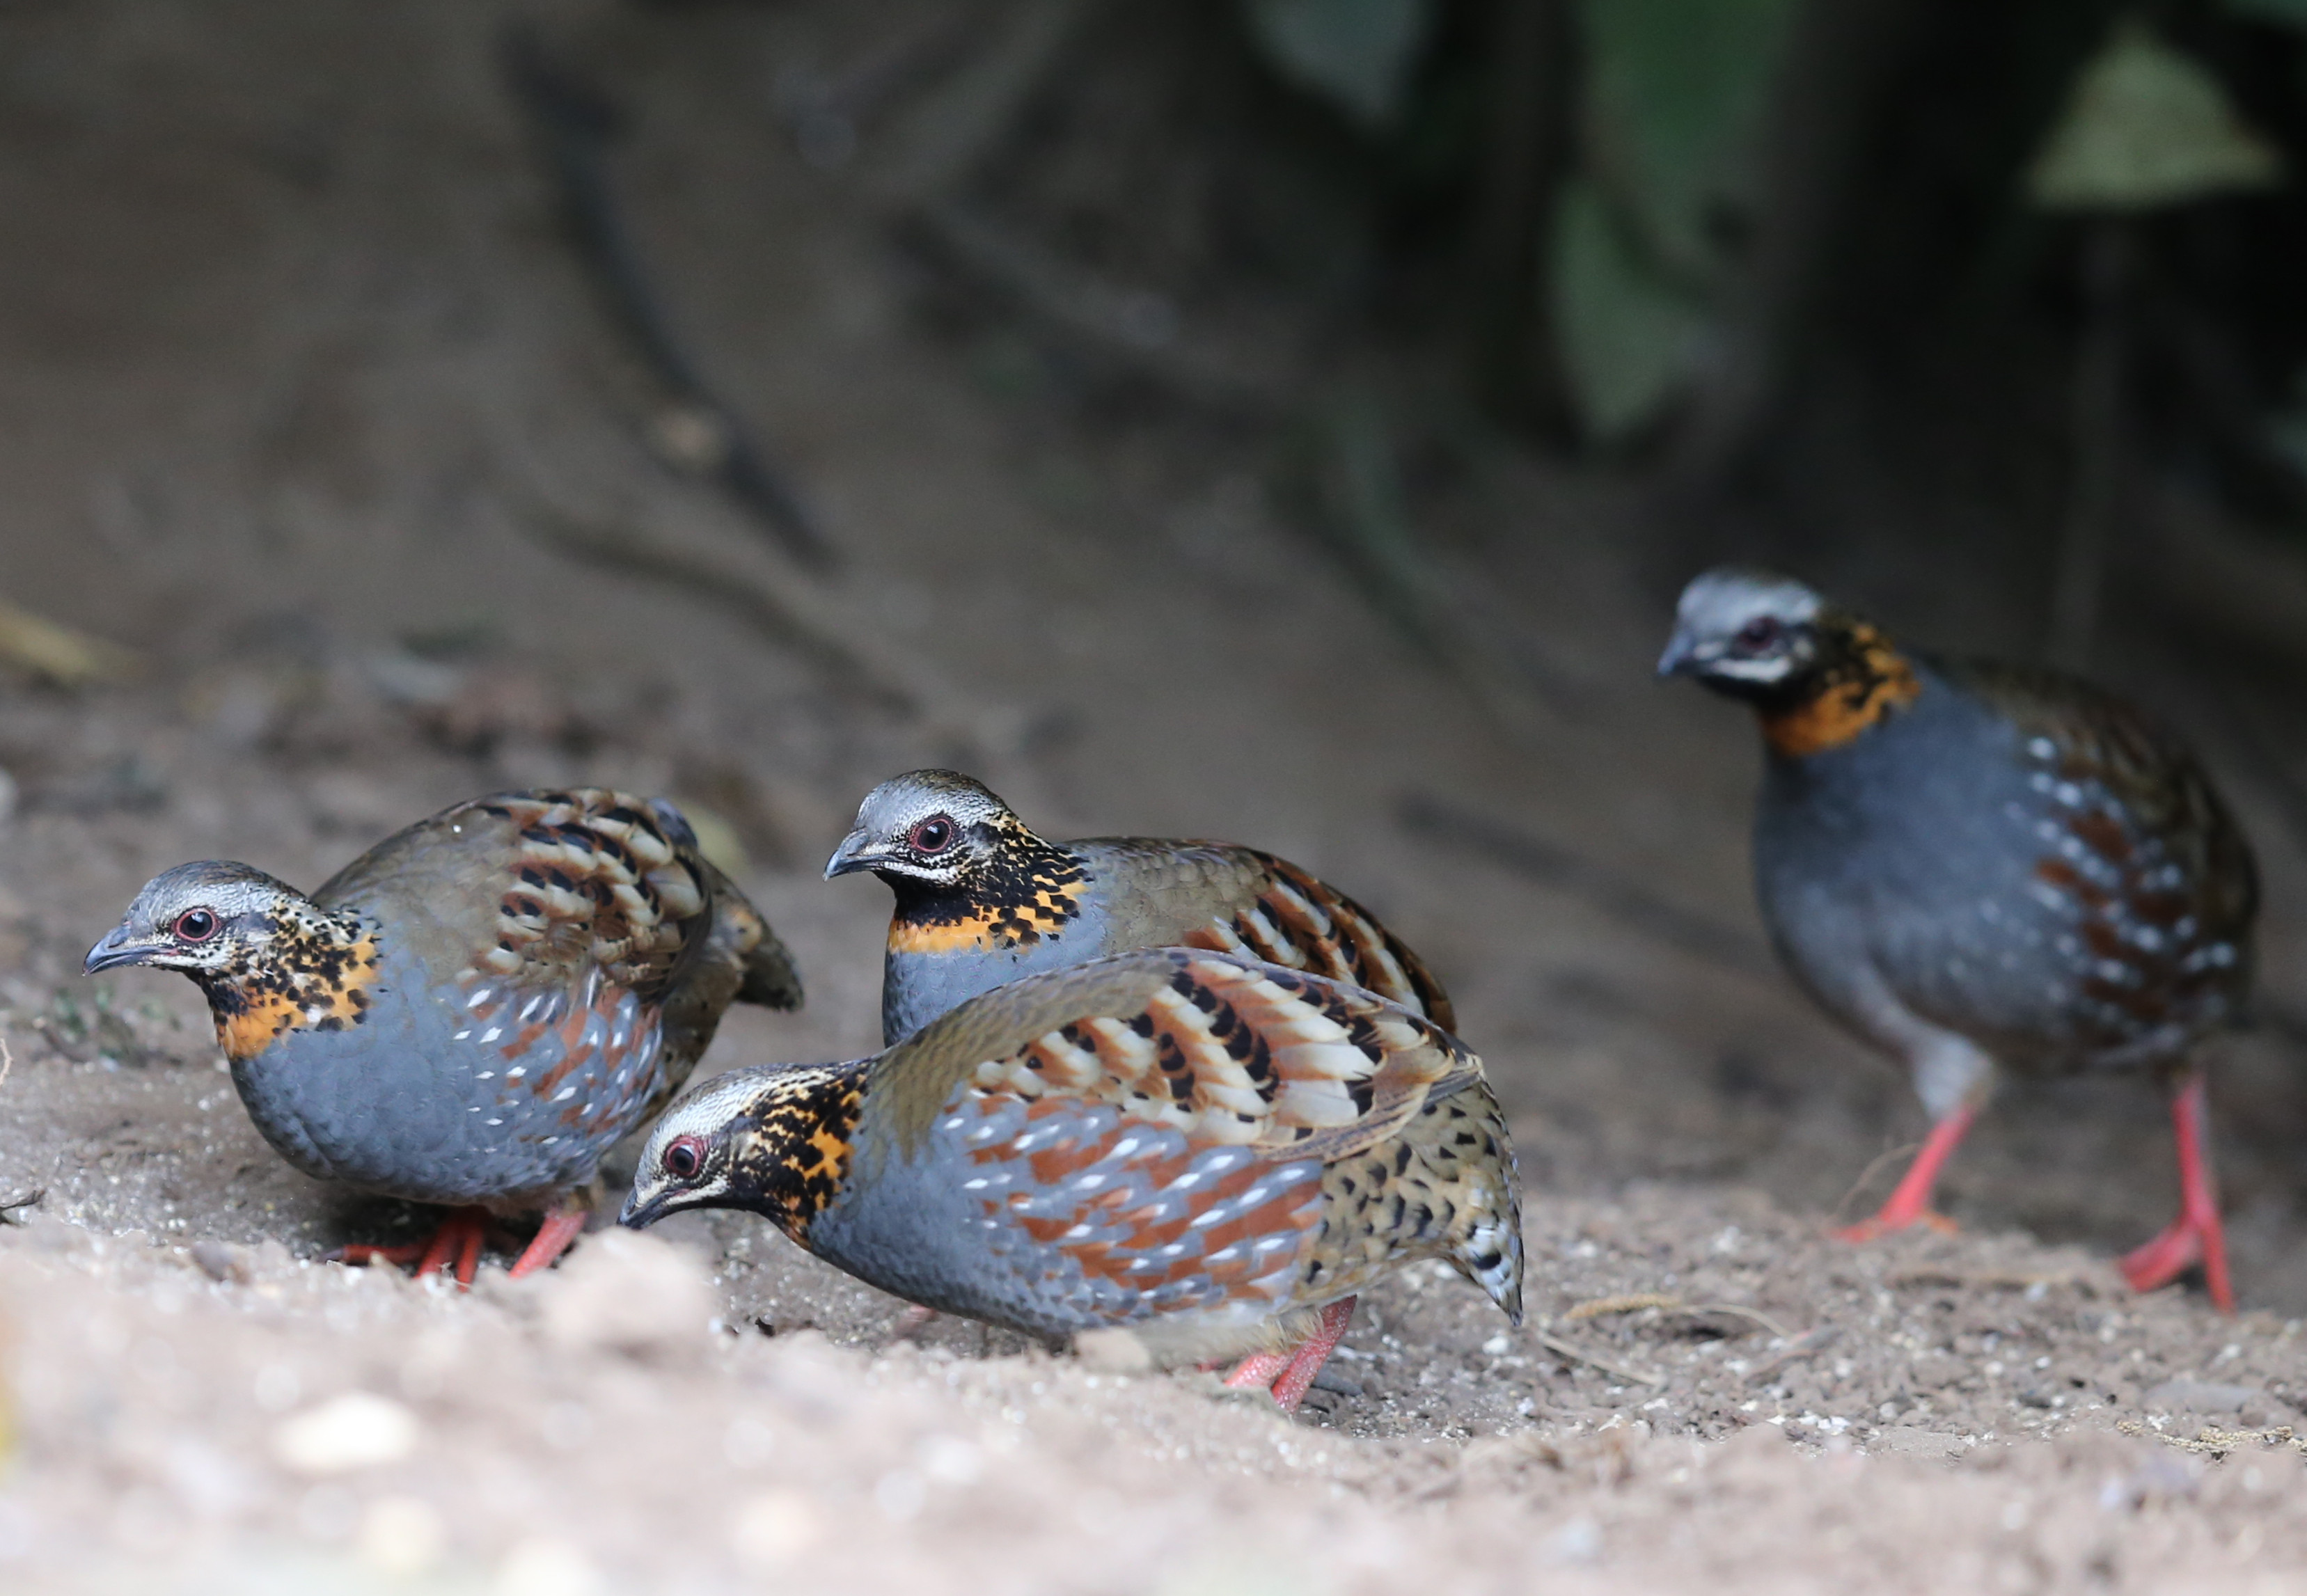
[
  {"x": 1289, "y": 1375},
  {"x": 2196, "y": 1236},
  {"x": 2157, "y": 1263}
]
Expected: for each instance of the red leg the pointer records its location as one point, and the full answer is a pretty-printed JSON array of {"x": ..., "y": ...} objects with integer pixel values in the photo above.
[
  {"x": 468, "y": 1253},
  {"x": 1259, "y": 1369},
  {"x": 2196, "y": 1236},
  {"x": 1911, "y": 1200},
  {"x": 561, "y": 1227},
  {"x": 1296, "y": 1380},
  {"x": 460, "y": 1230},
  {"x": 1291, "y": 1374}
]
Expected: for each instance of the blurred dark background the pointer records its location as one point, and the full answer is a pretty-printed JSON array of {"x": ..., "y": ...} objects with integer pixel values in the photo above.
[{"x": 1286, "y": 420}]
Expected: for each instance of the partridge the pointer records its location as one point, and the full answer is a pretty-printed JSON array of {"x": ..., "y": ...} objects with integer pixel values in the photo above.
[
  {"x": 1208, "y": 1155},
  {"x": 474, "y": 1011},
  {"x": 1981, "y": 867},
  {"x": 981, "y": 900}
]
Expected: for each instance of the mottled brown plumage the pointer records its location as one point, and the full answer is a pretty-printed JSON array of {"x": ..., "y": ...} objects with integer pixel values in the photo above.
[{"x": 1208, "y": 1153}]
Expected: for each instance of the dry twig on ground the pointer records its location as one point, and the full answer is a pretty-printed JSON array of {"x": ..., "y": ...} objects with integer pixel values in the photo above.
[
  {"x": 789, "y": 611},
  {"x": 58, "y": 653},
  {"x": 1814, "y": 1340},
  {"x": 2214, "y": 1442},
  {"x": 700, "y": 432},
  {"x": 1593, "y": 1360}
]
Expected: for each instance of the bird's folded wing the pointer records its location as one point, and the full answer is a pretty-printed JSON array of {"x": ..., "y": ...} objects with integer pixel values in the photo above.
[
  {"x": 1226, "y": 1050},
  {"x": 541, "y": 889}
]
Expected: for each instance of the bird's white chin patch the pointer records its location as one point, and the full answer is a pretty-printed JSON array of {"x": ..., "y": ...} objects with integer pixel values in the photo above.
[
  {"x": 698, "y": 1196},
  {"x": 1761, "y": 670}
]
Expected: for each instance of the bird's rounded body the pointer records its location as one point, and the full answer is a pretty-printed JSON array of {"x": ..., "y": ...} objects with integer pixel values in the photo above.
[
  {"x": 1982, "y": 867},
  {"x": 1222, "y": 1240},
  {"x": 2013, "y": 859},
  {"x": 995, "y": 901},
  {"x": 446, "y": 1094},
  {"x": 1196, "y": 1147},
  {"x": 477, "y": 1008}
]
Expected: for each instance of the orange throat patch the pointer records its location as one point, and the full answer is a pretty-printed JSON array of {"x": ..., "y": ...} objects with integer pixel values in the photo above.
[
  {"x": 1870, "y": 683},
  {"x": 984, "y": 926},
  {"x": 318, "y": 984}
]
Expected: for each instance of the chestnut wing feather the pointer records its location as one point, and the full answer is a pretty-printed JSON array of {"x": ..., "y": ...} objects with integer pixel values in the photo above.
[
  {"x": 1222, "y": 1050},
  {"x": 541, "y": 889},
  {"x": 1177, "y": 1131},
  {"x": 2176, "y": 888},
  {"x": 1232, "y": 899}
]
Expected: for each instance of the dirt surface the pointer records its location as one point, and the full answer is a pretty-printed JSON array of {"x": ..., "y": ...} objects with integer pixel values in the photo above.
[{"x": 300, "y": 380}]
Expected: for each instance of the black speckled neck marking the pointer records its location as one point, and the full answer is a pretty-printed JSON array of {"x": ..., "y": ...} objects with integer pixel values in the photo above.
[
  {"x": 310, "y": 970},
  {"x": 794, "y": 1156},
  {"x": 1022, "y": 890}
]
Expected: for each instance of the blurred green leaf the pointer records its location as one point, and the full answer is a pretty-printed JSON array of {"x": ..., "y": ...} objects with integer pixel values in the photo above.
[
  {"x": 1358, "y": 54},
  {"x": 2145, "y": 126},
  {"x": 1673, "y": 92},
  {"x": 1629, "y": 333}
]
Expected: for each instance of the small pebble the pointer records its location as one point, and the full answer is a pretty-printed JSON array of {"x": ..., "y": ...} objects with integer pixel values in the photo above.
[
  {"x": 221, "y": 1261},
  {"x": 355, "y": 1430}
]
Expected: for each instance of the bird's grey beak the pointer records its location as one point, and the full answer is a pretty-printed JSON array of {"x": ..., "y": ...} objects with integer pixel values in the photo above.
[
  {"x": 1681, "y": 656},
  {"x": 857, "y": 851},
  {"x": 638, "y": 1215},
  {"x": 115, "y": 950}
]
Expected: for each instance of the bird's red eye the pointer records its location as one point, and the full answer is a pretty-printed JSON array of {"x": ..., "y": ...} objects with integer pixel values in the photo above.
[
  {"x": 684, "y": 1157},
  {"x": 932, "y": 835},
  {"x": 1760, "y": 632},
  {"x": 196, "y": 925}
]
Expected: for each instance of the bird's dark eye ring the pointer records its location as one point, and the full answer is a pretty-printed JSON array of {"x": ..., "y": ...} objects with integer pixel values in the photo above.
[
  {"x": 684, "y": 1156},
  {"x": 1760, "y": 632},
  {"x": 196, "y": 925},
  {"x": 932, "y": 835}
]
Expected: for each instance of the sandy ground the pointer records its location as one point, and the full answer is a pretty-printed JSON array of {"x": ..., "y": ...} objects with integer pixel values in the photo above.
[{"x": 293, "y": 354}]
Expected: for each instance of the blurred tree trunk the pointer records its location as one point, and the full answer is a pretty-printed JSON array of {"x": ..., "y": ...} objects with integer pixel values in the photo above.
[
  {"x": 1813, "y": 144},
  {"x": 1512, "y": 354},
  {"x": 2095, "y": 473}
]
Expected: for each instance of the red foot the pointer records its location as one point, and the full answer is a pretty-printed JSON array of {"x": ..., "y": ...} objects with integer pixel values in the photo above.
[
  {"x": 455, "y": 1244},
  {"x": 561, "y": 1227},
  {"x": 2195, "y": 1237},
  {"x": 1291, "y": 1374},
  {"x": 1910, "y": 1201}
]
